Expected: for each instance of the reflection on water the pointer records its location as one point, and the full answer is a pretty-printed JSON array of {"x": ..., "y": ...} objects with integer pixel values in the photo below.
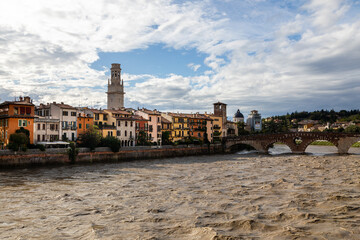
[{"x": 204, "y": 197}]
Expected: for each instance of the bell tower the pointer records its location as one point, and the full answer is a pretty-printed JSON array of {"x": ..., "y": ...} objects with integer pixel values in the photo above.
[{"x": 115, "y": 93}]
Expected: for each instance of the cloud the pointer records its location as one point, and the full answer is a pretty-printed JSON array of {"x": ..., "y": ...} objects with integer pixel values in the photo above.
[
  {"x": 193, "y": 66},
  {"x": 305, "y": 57}
]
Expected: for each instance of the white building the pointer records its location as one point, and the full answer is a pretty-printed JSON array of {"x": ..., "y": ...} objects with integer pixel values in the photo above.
[
  {"x": 67, "y": 116},
  {"x": 254, "y": 121},
  {"x": 46, "y": 129}
]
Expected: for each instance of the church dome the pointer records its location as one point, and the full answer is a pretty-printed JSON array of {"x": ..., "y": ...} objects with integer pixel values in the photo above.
[{"x": 238, "y": 114}]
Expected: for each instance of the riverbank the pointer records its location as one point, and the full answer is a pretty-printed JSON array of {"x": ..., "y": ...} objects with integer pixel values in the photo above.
[{"x": 35, "y": 157}]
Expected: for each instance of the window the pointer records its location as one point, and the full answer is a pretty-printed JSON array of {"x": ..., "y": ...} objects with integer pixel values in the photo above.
[
  {"x": 117, "y": 133},
  {"x": 131, "y": 124},
  {"x": 125, "y": 123},
  {"x": 22, "y": 123},
  {"x": 65, "y": 113},
  {"x": 105, "y": 117},
  {"x": 43, "y": 126},
  {"x": 22, "y": 110},
  {"x": 73, "y": 114},
  {"x": 130, "y": 133},
  {"x": 43, "y": 138},
  {"x": 38, "y": 126},
  {"x": 119, "y": 124},
  {"x": 73, "y": 136},
  {"x": 6, "y": 122},
  {"x": 87, "y": 126},
  {"x": 28, "y": 111},
  {"x": 16, "y": 110},
  {"x": 149, "y": 118},
  {"x": 79, "y": 125},
  {"x": 158, "y": 119},
  {"x": 96, "y": 116},
  {"x": 125, "y": 133},
  {"x": 38, "y": 138}
]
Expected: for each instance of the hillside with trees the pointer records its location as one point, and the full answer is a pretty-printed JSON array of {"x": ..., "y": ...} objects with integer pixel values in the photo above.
[{"x": 326, "y": 120}]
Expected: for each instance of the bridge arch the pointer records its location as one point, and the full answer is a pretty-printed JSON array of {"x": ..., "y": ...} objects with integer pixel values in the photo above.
[{"x": 279, "y": 140}]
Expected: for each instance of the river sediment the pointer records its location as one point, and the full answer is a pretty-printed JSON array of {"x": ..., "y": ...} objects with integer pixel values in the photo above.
[{"x": 202, "y": 197}]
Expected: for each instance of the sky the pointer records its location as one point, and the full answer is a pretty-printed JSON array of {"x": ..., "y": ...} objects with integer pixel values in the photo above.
[{"x": 270, "y": 55}]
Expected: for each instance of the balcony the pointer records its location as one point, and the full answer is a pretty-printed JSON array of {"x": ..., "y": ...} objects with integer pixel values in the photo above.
[
  {"x": 217, "y": 127},
  {"x": 66, "y": 128},
  {"x": 73, "y": 127},
  {"x": 107, "y": 127}
]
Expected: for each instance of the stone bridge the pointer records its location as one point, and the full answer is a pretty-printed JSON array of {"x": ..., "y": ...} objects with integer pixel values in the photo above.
[{"x": 297, "y": 141}]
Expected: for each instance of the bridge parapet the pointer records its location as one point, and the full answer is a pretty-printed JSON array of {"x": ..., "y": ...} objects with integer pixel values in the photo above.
[{"x": 297, "y": 141}]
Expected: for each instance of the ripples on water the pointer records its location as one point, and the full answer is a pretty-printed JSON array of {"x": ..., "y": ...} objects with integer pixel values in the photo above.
[{"x": 208, "y": 197}]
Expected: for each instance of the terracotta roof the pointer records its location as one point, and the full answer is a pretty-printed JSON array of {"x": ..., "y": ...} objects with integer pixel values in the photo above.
[
  {"x": 62, "y": 105},
  {"x": 139, "y": 118},
  {"x": 151, "y": 112},
  {"x": 164, "y": 120},
  {"x": 219, "y": 103},
  {"x": 97, "y": 111},
  {"x": 16, "y": 103},
  {"x": 118, "y": 111}
]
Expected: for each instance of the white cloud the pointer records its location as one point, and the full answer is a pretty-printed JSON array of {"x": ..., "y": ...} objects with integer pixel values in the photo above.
[
  {"x": 46, "y": 48},
  {"x": 193, "y": 66}
]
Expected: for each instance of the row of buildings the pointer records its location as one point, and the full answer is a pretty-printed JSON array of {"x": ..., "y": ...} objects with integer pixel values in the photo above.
[{"x": 52, "y": 122}]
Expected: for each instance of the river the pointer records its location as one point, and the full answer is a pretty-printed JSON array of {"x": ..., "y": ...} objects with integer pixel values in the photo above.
[{"x": 234, "y": 196}]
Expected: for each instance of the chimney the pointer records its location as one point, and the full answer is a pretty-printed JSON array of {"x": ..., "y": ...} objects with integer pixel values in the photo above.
[
  {"x": 54, "y": 102},
  {"x": 27, "y": 99},
  {"x": 62, "y": 102},
  {"x": 20, "y": 99}
]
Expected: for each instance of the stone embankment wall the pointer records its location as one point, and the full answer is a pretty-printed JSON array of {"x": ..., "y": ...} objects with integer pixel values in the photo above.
[{"x": 10, "y": 159}]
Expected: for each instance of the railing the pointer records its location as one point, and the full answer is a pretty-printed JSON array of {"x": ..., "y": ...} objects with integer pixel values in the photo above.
[
  {"x": 217, "y": 127},
  {"x": 66, "y": 128},
  {"x": 107, "y": 127}
]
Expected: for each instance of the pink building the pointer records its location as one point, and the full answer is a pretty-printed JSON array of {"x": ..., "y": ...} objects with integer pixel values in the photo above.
[{"x": 154, "y": 118}]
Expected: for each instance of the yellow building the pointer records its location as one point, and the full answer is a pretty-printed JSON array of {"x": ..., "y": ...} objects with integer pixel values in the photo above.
[
  {"x": 101, "y": 120},
  {"x": 180, "y": 123},
  {"x": 217, "y": 127}
]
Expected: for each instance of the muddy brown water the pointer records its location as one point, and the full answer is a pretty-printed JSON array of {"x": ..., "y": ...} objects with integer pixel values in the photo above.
[{"x": 208, "y": 197}]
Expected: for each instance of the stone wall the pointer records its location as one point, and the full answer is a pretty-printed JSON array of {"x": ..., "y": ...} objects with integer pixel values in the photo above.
[{"x": 11, "y": 159}]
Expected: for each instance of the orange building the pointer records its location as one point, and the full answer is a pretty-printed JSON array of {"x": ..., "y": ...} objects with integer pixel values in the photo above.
[
  {"x": 84, "y": 123},
  {"x": 13, "y": 116},
  {"x": 198, "y": 126},
  {"x": 85, "y": 120}
]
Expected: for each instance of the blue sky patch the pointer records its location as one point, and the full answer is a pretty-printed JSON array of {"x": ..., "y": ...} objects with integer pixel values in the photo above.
[
  {"x": 294, "y": 37},
  {"x": 156, "y": 60}
]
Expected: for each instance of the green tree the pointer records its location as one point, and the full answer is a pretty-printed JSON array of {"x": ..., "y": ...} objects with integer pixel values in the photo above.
[
  {"x": 142, "y": 139},
  {"x": 352, "y": 129},
  {"x": 91, "y": 138},
  {"x": 72, "y": 152},
  {"x": 165, "y": 138},
  {"x": 112, "y": 142},
  {"x": 18, "y": 141}
]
